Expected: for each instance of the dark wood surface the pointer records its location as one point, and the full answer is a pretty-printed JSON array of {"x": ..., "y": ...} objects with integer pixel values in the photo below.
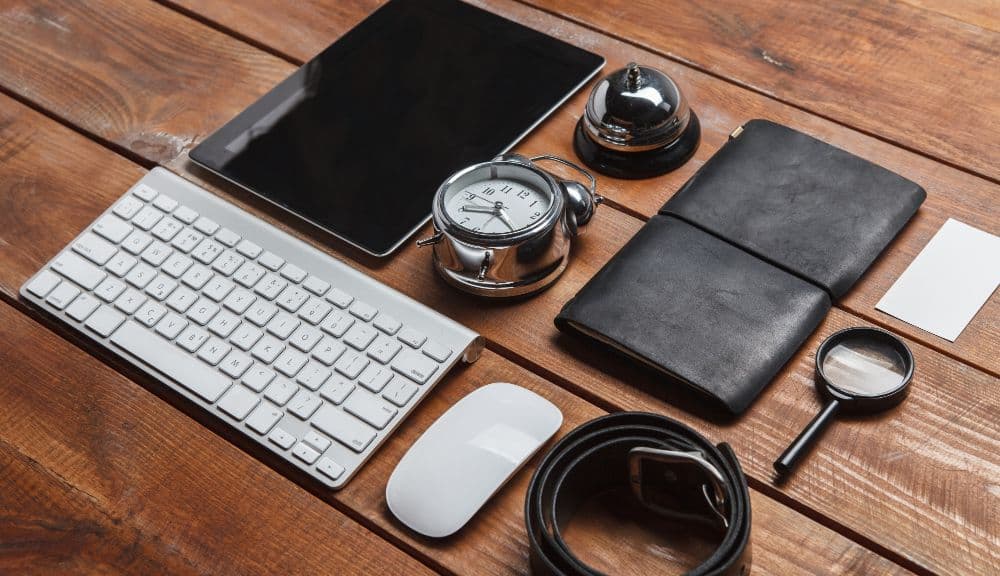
[{"x": 104, "y": 471}]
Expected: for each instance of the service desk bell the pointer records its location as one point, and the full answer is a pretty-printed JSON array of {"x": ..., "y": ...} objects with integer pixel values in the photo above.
[{"x": 637, "y": 124}]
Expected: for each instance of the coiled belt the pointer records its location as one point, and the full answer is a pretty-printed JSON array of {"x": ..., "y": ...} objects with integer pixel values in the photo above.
[{"x": 670, "y": 469}]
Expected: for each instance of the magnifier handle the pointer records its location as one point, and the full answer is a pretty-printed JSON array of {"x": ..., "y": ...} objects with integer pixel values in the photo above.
[{"x": 801, "y": 446}]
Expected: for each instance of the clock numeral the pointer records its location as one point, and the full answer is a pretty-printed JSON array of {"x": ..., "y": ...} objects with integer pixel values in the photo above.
[
  {"x": 535, "y": 215},
  {"x": 506, "y": 188},
  {"x": 532, "y": 205},
  {"x": 523, "y": 194},
  {"x": 470, "y": 196},
  {"x": 490, "y": 191},
  {"x": 464, "y": 220}
]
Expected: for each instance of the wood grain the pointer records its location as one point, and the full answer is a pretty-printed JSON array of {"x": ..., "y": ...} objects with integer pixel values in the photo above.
[
  {"x": 57, "y": 181},
  {"x": 982, "y": 13},
  {"x": 494, "y": 543},
  {"x": 721, "y": 106},
  {"x": 911, "y": 76},
  {"x": 99, "y": 476}
]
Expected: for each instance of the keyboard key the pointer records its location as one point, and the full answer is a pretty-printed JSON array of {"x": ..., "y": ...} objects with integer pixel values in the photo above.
[
  {"x": 214, "y": 351},
  {"x": 414, "y": 366},
  {"x": 177, "y": 265},
  {"x": 104, "y": 321},
  {"x": 227, "y": 237},
  {"x": 63, "y": 295},
  {"x": 223, "y": 324},
  {"x": 218, "y": 288},
  {"x": 191, "y": 339},
  {"x": 257, "y": 378},
  {"x": 197, "y": 276},
  {"x": 186, "y": 215},
  {"x": 245, "y": 336},
  {"x": 227, "y": 263},
  {"x": 317, "y": 441},
  {"x": 337, "y": 323},
  {"x": 235, "y": 364},
  {"x": 130, "y": 301},
  {"x": 351, "y": 364},
  {"x": 206, "y": 225},
  {"x": 128, "y": 207},
  {"x": 141, "y": 275},
  {"x": 384, "y": 349},
  {"x": 147, "y": 218},
  {"x": 280, "y": 391},
  {"x": 411, "y": 337},
  {"x": 304, "y": 404},
  {"x": 267, "y": 349},
  {"x": 364, "y": 311},
  {"x": 171, "y": 326},
  {"x": 238, "y": 402},
  {"x": 305, "y": 453},
  {"x": 399, "y": 392},
  {"x": 290, "y": 362},
  {"x": 328, "y": 350},
  {"x": 248, "y": 249},
  {"x": 292, "y": 298},
  {"x": 113, "y": 228},
  {"x": 239, "y": 300},
  {"x": 110, "y": 289},
  {"x": 329, "y": 468},
  {"x": 293, "y": 273},
  {"x": 315, "y": 285},
  {"x": 313, "y": 375},
  {"x": 271, "y": 261},
  {"x": 82, "y": 307},
  {"x": 339, "y": 298},
  {"x": 167, "y": 228},
  {"x": 144, "y": 192},
  {"x": 43, "y": 283},
  {"x": 281, "y": 438},
  {"x": 305, "y": 338},
  {"x": 121, "y": 264},
  {"x": 136, "y": 242},
  {"x": 270, "y": 286},
  {"x": 207, "y": 251},
  {"x": 203, "y": 311},
  {"x": 161, "y": 287},
  {"x": 187, "y": 240},
  {"x": 375, "y": 377},
  {"x": 314, "y": 311},
  {"x": 336, "y": 389},
  {"x": 283, "y": 324},
  {"x": 176, "y": 365},
  {"x": 387, "y": 324},
  {"x": 94, "y": 248},
  {"x": 369, "y": 408},
  {"x": 343, "y": 428},
  {"x": 248, "y": 274},
  {"x": 360, "y": 336},
  {"x": 149, "y": 314},
  {"x": 181, "y": 299},
  {"x": 165, "y": 203},
  {"x": 437, "y": 351},
  {"x": 156, "y": 253},
  {"x": 78, "y": 270},
  {"x": 261, "y": 312},
  {"x": 264, "y": 418}
]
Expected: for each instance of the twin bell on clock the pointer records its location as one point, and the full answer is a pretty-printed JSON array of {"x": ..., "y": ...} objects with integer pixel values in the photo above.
[{"x": 503, "y": 228}]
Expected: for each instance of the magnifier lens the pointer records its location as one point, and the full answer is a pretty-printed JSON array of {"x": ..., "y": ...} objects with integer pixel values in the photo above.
[{"x": 864, "y": 367}]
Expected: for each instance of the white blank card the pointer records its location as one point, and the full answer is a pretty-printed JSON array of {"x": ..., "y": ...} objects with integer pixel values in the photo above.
[{"x": 948, "y": 282}]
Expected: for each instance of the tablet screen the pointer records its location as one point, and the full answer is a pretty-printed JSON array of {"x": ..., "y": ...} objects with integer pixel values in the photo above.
[{"x": 359, "y": 138}]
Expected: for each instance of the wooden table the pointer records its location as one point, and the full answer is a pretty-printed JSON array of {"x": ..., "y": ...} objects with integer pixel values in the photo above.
[{"x": 102, "y": 470}]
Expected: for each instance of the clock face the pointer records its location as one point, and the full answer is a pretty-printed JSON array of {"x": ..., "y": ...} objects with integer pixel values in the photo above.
[{"x": 497, "y": 206}]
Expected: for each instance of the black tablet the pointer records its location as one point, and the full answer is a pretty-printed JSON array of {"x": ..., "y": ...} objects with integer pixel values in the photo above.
[{"x": 358, "y": 139}]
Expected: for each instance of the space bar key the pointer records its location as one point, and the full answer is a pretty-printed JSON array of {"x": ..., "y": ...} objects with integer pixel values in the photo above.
[{"x": 164, "y": 357}]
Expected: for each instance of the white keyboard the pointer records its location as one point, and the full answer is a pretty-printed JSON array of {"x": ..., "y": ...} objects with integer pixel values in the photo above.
[{"x": 309, "y": 357}]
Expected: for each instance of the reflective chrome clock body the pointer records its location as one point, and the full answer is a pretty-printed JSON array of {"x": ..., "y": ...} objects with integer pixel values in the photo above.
[{"x": 504, "y": 227}]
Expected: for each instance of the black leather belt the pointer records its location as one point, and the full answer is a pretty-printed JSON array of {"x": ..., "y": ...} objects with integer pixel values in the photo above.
[{"x": 670, "y": 468}]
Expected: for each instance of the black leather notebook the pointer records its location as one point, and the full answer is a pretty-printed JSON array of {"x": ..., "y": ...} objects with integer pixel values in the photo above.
[{"x": 721, "y": 287}]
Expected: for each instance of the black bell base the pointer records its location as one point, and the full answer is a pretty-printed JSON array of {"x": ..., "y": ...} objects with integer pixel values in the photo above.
[{"x": 637, "y": 165}]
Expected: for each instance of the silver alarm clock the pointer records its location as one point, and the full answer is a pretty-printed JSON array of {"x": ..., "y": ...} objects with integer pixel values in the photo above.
[{"x": 504, "y": 227}]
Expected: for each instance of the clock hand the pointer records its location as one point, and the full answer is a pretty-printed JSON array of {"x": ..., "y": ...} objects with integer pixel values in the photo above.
[
  {"x": 502, "y": 213},
  {"x": 475, "y": 208}
]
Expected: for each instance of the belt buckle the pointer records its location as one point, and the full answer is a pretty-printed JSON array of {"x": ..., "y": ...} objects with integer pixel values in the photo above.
[{"x": 688, "y": 470}]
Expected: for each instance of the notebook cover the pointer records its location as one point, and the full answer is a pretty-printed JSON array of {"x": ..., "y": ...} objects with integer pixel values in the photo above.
[
  {"x": 698, "y": 309},
  {"x": 800, "y": 203}
]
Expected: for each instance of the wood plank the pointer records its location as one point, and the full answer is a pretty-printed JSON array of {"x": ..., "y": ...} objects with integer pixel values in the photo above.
[
  {"x": 915, "y": 77},
  {"x": 97, "y": 475},
  {"x": 47, "y": 166},
  {"x": 982, "y": 13},
  {"x": 722, "y": 107},
  {"x": 410, "y": 273},
  {"x": 55, "y": 182}
]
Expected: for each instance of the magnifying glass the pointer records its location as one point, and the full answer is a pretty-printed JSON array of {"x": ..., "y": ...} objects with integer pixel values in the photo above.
[{"x": 861, "y": 370}]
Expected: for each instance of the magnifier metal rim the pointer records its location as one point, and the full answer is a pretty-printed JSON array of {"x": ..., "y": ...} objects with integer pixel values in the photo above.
[{"x": 840, "y": 336}]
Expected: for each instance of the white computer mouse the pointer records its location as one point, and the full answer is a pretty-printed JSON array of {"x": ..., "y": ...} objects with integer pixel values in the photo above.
[{"x": 467, "y": 455}]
